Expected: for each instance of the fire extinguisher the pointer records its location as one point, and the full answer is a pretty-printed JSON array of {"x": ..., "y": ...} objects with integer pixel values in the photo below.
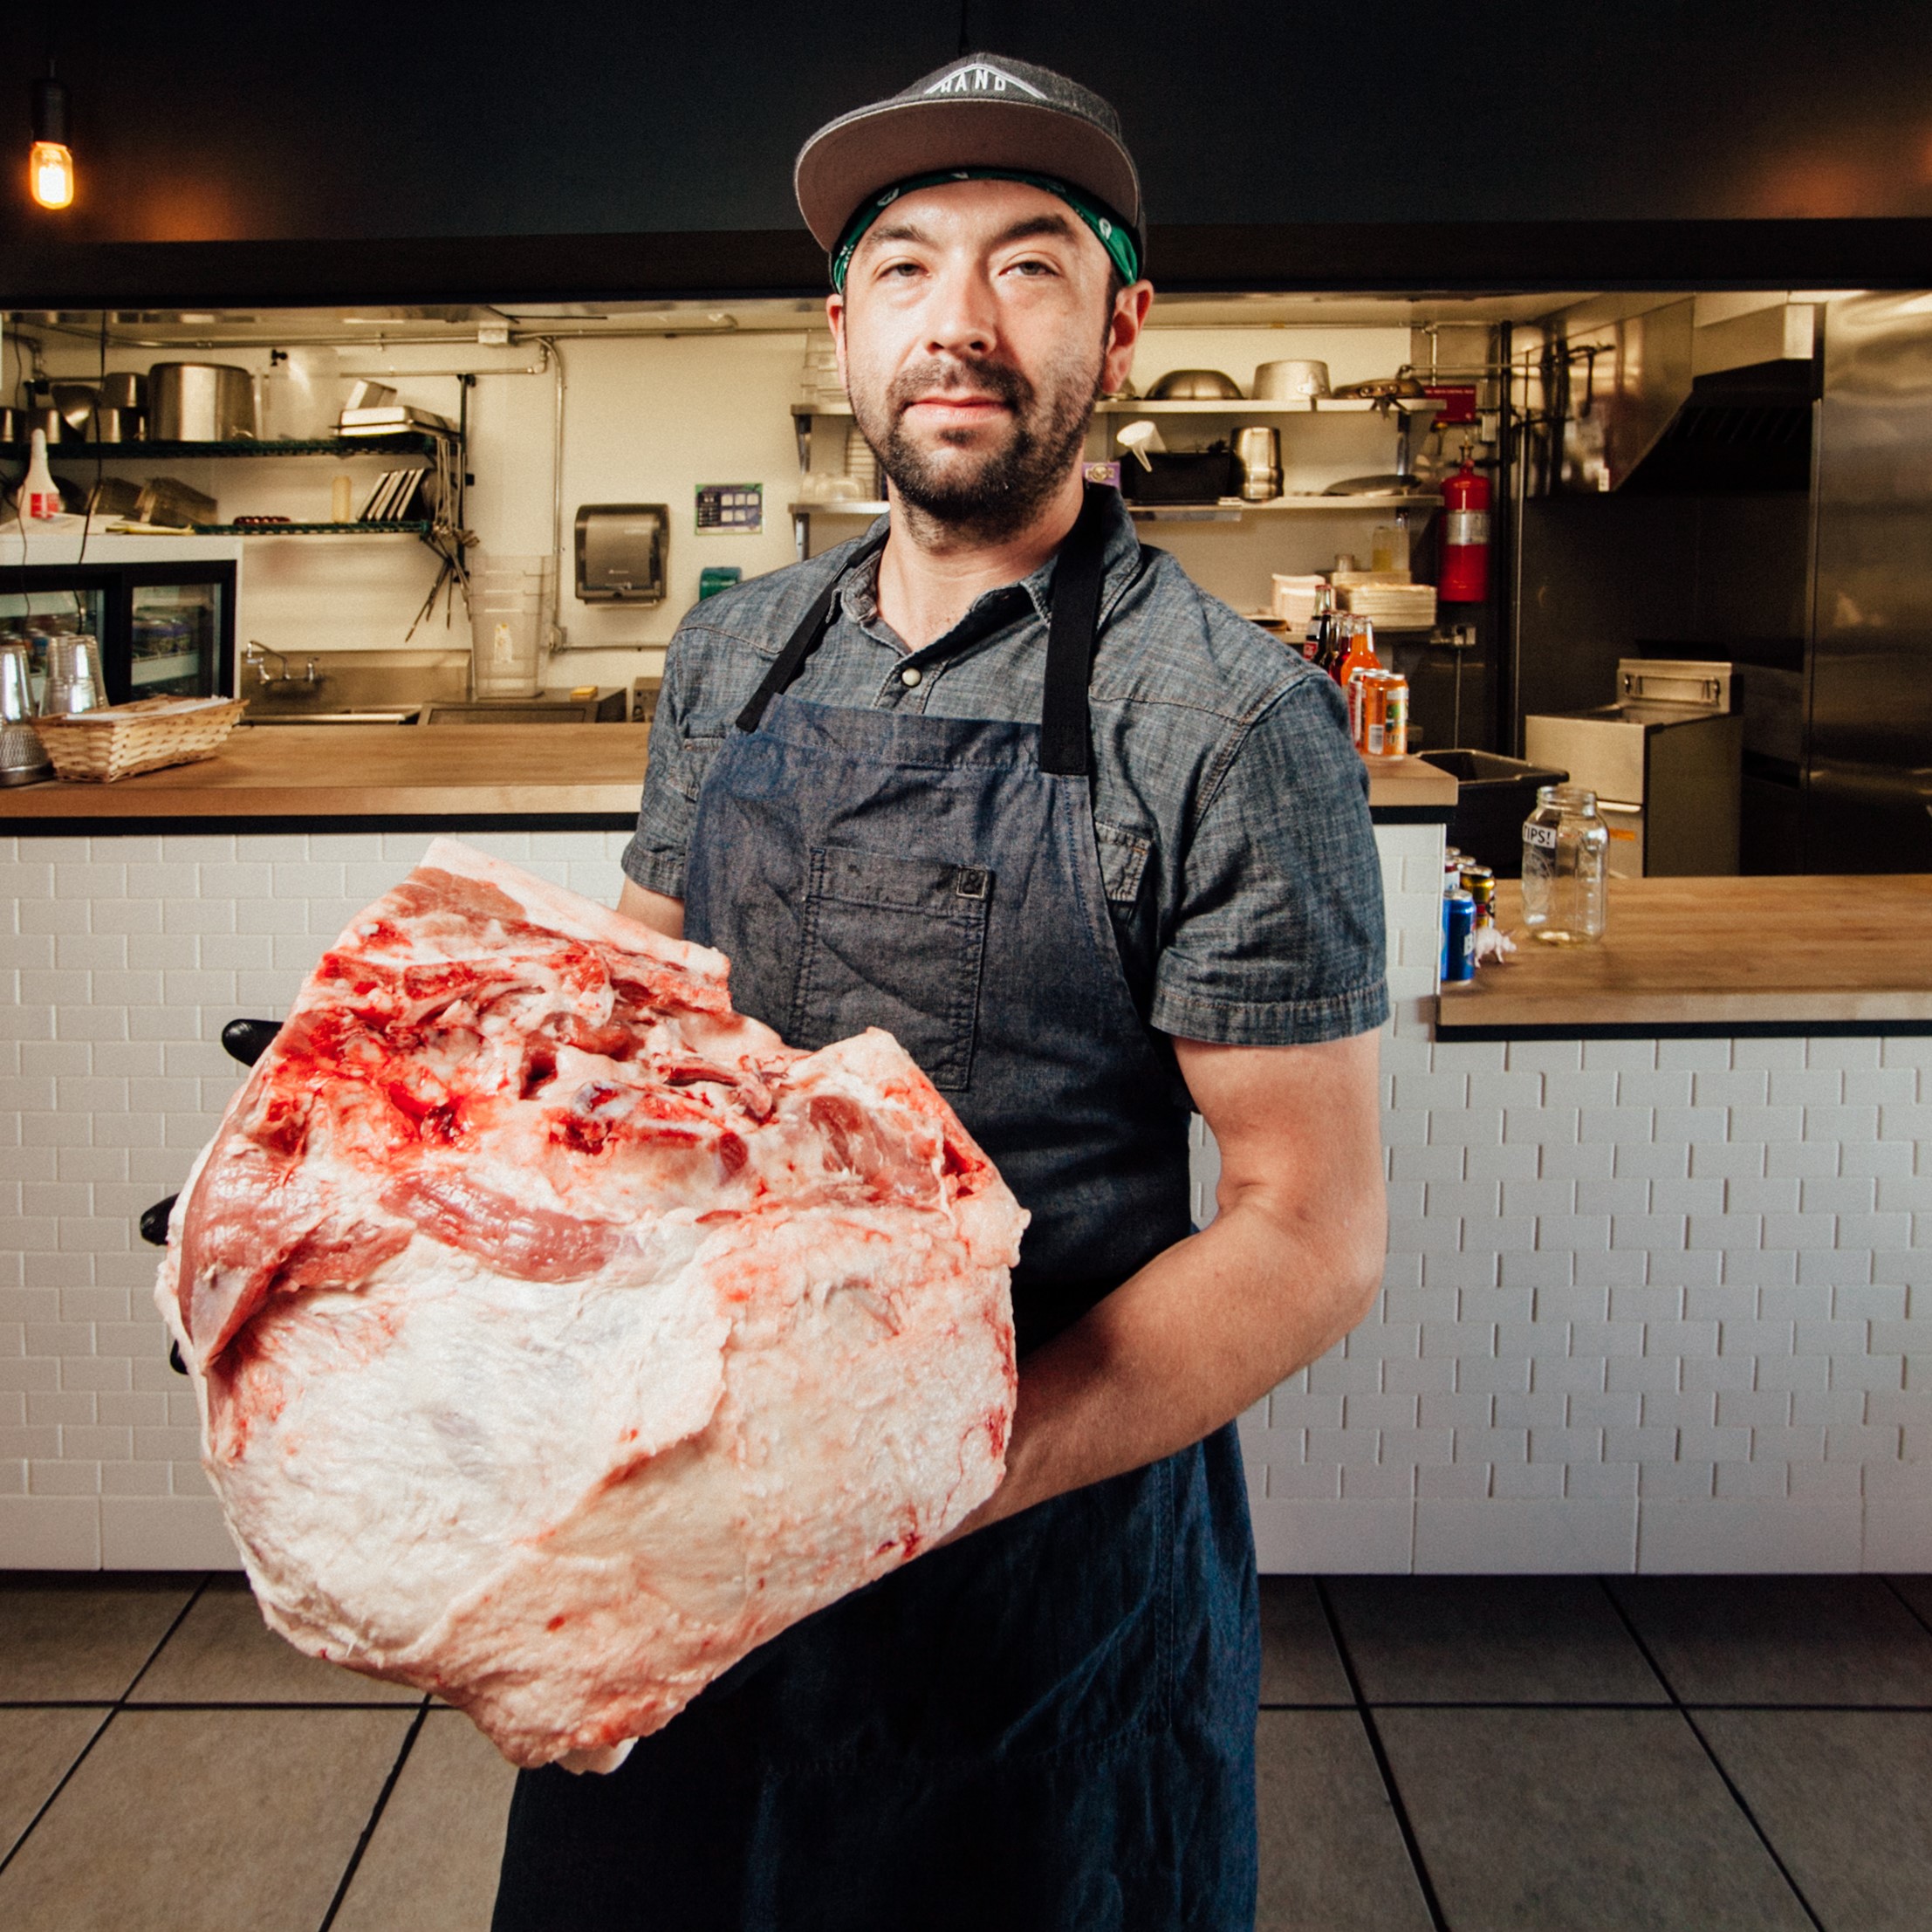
[{"x": 1465, "y": 535}]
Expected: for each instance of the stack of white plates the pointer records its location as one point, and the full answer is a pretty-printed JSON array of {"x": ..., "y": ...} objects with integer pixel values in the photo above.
[
  {"x": 1295, "y": 598},
  {"x": 1393, "y": 607}
]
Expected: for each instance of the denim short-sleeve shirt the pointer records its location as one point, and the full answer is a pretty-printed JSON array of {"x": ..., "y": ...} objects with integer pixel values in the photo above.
[{"x": 1231, "y": 810}]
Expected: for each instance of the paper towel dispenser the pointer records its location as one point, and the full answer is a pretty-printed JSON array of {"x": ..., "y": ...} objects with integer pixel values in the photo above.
[{"x": 622, "y": 553}]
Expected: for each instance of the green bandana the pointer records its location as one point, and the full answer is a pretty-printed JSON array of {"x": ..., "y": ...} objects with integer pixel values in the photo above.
[{"x": 1112, "y": 233}]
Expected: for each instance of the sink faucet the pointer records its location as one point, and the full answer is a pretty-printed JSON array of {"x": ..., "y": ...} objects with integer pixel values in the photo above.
[{"x": 256, "y": 657}]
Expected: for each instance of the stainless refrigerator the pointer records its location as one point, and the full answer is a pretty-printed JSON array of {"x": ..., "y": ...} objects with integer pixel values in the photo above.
[{"x": 1868, "y": 765}]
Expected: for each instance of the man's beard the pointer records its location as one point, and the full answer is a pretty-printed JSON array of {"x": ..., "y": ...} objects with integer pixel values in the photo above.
[{"x": 996, "y": 494}]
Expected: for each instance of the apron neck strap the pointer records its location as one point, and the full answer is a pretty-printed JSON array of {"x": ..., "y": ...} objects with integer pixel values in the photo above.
[
  {"x": 803, "y": 641},
  {"x": 1069, "y": 640}
]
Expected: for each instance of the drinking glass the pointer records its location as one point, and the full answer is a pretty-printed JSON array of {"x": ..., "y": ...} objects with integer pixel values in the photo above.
[{"x": 74, "y": 681}]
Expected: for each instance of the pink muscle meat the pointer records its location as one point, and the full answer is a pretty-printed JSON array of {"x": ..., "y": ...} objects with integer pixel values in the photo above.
[{"x": 559, "y": 1334}]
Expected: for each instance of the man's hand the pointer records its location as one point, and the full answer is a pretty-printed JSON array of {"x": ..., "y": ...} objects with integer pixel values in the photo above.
[
  {"x": 654, "y": 910},
  {"x": 1291, "y": 1263}
]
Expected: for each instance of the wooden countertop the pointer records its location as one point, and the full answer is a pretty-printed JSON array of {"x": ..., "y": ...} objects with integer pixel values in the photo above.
[
  {"x": 1716, "y": 953},
  {"x": 1404, "y": 784},
  {"x": 367, "y": 772}
]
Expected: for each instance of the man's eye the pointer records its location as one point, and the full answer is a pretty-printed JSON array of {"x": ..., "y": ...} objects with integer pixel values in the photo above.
[{"x": 1032, "y": 267}]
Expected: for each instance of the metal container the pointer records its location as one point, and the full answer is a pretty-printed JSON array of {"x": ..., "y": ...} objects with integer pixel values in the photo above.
[
  {"x": 1194, "y": 385},
  {"x": 166, "y": 500},
  {"x": 113, "y": 424},
  {"x": 22, "y": 757},
  {"x": 200, "y": 402},
  {"x": 1259, "y": 452},
  {"x": 1294, "y": 381},
  {"x": 124, "y": 389},
  {"x": 13, "y": 426},
  {"x": 76, "y": 402}
]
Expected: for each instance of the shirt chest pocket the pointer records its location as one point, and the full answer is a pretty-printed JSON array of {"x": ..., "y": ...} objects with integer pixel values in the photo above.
[
  {"x": 896, "y": 942},
  {"x": 1123, "y": 861}
]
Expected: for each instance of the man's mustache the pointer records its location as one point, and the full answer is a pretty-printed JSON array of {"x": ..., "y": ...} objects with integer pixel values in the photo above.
[{"x": 979, "y": 379}]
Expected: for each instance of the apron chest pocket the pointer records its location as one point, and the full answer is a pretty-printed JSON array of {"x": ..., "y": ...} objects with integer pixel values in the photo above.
[{"x": 896, "y": 942}]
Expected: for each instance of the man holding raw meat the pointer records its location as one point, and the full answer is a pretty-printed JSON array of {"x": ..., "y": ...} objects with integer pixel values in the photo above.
[{"x": 1000, "y": 780}]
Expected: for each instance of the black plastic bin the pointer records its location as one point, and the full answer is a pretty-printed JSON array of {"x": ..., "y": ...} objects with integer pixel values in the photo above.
[{"x": 1496, "y": 795}]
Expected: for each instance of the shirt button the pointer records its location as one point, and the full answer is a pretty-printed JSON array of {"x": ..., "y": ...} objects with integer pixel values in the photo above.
[{"x": 910, "y": 676}]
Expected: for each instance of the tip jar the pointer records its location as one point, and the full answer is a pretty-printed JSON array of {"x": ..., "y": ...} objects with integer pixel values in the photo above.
[{"x": 1565, "y": 848}]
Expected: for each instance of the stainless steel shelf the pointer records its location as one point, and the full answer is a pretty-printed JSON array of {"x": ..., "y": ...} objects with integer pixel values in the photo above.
[
  {"x": 311, "y": 530},
  {"x": 1214, "y": 405},
  {"x": 414, "y": 442}
]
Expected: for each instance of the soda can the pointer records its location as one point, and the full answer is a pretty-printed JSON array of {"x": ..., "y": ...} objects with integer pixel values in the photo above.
[
  {"x": 1375, "y": 700},
  {"x": 1479, "y": 883},
  {"x": 1395, "y": 716},
  {"x": 1458, "y": 939}
]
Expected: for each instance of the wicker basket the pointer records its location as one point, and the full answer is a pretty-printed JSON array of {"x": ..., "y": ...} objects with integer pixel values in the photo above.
[{"x": 98, "y": 747}]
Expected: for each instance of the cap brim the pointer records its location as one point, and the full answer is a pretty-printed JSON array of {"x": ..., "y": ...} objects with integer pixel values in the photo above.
[{"x": 865, "y": 153}]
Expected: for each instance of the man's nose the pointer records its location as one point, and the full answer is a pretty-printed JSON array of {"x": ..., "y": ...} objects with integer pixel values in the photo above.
[{"x": 962, "y": 319}]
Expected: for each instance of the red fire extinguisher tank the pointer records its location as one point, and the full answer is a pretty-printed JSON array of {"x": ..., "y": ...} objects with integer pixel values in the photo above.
[{"x": 1465, "y": 535}]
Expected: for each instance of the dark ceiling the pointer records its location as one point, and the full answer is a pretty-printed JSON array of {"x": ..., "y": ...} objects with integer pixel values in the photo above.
[{"x": 330, "y": 133}]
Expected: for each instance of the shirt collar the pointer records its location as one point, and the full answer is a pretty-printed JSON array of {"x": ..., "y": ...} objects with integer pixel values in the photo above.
[{"x": 1121, "y": 559}]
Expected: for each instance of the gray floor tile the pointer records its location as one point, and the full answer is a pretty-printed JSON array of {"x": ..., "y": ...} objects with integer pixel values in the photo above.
[
  {"x": 36, "y": 1749},
  {"x": 82, "y": 1640},
  {"x": 205, "y": 1821},
  {"x": 432, "y": 1863},
  {"x": 1917, "y": 1591},
  {"x": 1846, "y": 1799},
  {"x": 1331, "y": 1857},
  {"x": 223, "y": 1654},
  {"x": 1489, "y": 1639},
  {"x": 1298, "y": 1664},
  {"x": 1811, "y": 1639},
  {"x": 1581, "y": 1822}
]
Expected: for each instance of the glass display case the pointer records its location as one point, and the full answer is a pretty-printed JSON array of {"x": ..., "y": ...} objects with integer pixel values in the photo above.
[{"x": 165, "y": 629}]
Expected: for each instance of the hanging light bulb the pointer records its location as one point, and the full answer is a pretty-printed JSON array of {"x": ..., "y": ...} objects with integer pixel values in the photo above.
[{"x": 50, "y": 163}]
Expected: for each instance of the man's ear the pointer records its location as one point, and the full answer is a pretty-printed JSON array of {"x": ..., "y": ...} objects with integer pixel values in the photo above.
[
  {"x": 1123, "y": 334},
  {"x": 835, "y": 316}
]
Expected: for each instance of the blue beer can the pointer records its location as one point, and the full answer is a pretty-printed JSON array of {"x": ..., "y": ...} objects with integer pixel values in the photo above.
[{"x": 1458, "y": 939}]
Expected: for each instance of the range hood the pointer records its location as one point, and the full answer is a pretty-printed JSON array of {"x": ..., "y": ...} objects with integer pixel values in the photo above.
[{"x": 1659, "y": 403}]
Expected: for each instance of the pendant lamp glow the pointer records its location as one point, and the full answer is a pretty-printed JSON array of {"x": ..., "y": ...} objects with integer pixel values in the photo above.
[{"x": 50, "y": 162}]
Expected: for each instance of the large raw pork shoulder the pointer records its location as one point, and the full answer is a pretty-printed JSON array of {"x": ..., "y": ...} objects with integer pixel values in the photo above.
[{"x": 559, "y": 1334}]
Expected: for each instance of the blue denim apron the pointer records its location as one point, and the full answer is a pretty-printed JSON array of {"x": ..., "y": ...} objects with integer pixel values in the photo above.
[{"x": 1050, "y": 1724}]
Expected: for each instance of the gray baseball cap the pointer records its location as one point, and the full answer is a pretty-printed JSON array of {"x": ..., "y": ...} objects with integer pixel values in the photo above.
[{"x": 982, "y": 111}]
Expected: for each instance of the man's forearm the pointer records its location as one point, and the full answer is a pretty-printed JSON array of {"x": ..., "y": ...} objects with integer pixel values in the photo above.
[{"x": 1196, "y": 1337}]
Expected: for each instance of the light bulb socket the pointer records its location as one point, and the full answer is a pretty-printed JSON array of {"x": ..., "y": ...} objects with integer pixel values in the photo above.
[{"x": 50, "y": 110}]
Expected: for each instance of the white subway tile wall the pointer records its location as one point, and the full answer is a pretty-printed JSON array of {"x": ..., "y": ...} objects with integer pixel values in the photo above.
[
  {"x": 123, "y": 959},
  {"x": 1649, "y": 1304}
]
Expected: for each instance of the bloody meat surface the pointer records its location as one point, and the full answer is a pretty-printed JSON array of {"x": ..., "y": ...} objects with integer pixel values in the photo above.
[{"x": 559, "y": 1334}]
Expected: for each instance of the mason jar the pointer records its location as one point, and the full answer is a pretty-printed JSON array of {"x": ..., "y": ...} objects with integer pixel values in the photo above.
[{"x": 1565, "y": 847}]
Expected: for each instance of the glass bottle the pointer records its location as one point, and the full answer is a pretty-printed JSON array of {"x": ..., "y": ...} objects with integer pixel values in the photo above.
[
  {"x": 1321, "y": 620},
  {"x": 1565, "y": 862},
  {"x": 1360, "y": 657}
]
